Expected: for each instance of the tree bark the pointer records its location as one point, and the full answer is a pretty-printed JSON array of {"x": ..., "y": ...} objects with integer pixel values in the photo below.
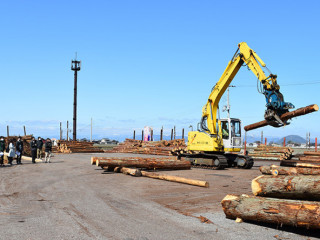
[
  {"x": 294, "y": 187},
  {"x": 175, "y": 179},
  {"x": 272, "y": 210},
  {"x": 149, "y": 163},
  {"x": 277, "y": 170}
]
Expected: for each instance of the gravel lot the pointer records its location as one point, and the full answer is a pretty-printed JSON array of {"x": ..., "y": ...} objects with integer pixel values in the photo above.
[{"x": 71, "y": 199}]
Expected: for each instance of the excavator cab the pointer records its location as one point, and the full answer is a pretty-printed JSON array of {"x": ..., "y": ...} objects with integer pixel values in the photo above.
[{"x": 231, "y": 134}]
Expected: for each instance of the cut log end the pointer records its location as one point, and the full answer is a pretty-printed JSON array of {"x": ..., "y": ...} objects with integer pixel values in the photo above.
[
  {"x": 255, "y": 186},
  {"x": 275, "y": 172}
]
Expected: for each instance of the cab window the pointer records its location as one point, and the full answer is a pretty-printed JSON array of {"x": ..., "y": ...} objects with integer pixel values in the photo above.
[{"x": 235, "y": 129}]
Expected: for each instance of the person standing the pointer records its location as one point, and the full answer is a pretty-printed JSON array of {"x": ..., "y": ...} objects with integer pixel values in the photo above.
[
  {"x": 19, "y": 150},
  {"x": 12, "y": 152},
  {"x": 33, "y": 146},
  {"x": 39, "y": 146},
  {"x": 48, "y": 149},
  {"x": 2, "y": 149}
]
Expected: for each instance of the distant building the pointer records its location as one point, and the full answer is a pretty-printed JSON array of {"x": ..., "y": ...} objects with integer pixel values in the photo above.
[{"x": 108, "y": 141}]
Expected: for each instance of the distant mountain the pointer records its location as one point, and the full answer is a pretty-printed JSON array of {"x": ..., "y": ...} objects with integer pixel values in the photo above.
[{"x": 293, "y": 138}]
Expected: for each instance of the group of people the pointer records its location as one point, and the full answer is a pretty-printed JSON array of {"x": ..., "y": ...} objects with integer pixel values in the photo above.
[{"x": 16, "y": 150}]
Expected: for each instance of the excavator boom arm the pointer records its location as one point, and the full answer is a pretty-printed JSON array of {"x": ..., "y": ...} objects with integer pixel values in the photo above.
[{"x": 274, "y": 99}]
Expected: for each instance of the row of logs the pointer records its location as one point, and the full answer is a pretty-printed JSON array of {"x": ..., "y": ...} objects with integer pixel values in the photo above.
[
  {"x": 77, "y": 147},
  {"x": 162, "y": 148},
  {"x": 263, "y": 152},
  {"x": 132, "y": 166},
  {"x": 282, "y": 195}
]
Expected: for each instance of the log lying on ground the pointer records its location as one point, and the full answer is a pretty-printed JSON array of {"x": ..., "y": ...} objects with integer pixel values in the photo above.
[
  {"x": 285, "y": 117},
  {"x": 287, "y": 163},
  {"x": 272, "y": 210},
  {"x": 310, "y": 158},
  {"x": 312, "y": 153},
  {"x": 294, "y": 187},
  {"x": 277, "y": 170},
  {"x": 25, "y": 158},
  {"x": 131, "y": 171},
  {"x": 175, "y": 179},
  {"x": 149, "y": 163}
]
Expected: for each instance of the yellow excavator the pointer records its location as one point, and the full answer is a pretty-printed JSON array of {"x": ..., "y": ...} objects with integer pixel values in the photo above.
[{"x": 217, "y": 142}]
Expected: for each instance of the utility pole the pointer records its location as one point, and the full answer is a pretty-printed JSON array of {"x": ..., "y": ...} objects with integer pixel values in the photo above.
[
  {"x": 8, "y": 130},
  {"x": 67, "y": 130},
  {"x": 227, "y": 108},
  {"x": 75, "y": 66},
  {"x": 24, "y": 129},
  {"x": 60, "y": 131},
  {"x": 91, "y": 131}
]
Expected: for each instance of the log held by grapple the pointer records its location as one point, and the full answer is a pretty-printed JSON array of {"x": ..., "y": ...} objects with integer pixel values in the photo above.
[{"x": 284, "y": 117}]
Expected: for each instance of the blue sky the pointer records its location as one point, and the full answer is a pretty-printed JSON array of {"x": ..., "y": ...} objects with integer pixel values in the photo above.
[{"x": 151, "y": 62}]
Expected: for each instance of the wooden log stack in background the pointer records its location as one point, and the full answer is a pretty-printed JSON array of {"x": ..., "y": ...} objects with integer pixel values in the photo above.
[
  {"x": 77, "y": 147},
  {"x": 26, "y": 143},
  {"x": 263, "y": 152},
  {"x": 163, "y": 148}
]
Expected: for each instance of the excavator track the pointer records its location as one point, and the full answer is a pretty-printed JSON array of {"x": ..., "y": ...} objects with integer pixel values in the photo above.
[
  {"x": 209, "y": 161},
  {"x": 217, "y": 161}
]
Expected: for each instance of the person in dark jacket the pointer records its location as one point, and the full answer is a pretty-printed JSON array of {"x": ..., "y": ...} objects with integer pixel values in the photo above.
[
  {"x": 48, "y": 149},
  {"x": 19, "y": 150},
  {"x": 39, "y": 146},
  {"x": 33, "y": 146},
  {"x": 2, "y": 149}
]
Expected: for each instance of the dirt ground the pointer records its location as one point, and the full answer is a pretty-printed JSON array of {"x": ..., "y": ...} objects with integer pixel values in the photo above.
[{"x": 71, "y": 199}]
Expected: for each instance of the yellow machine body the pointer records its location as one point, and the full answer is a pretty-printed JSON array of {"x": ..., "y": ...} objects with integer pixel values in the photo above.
[{"x": 209, "y": 139}]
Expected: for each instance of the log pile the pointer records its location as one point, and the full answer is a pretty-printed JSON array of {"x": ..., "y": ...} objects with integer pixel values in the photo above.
[
  {"x": 77, "y": 147},
  {"x": 26, "y": 143},
  {"x": 263, "y": 152},
  {"x": 132, "y": 166},
  {"x": 163, "y": 148},
  {"x": 282, "y": 195},
  {"x": 137, "y": 162},
  {"x": 308, "y": 157}
]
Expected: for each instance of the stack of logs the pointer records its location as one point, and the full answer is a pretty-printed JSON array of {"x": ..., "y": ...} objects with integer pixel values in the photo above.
[
  {"x": 77, "y": 147},
  {"x": 302, "y": 160},
  {"x": 163, "y": 148},
  {"x": 283, "y": 195},
  {"x": 26, "y": 143},
  {"x": 133, "y": 165},
  {"x": 263, "y": 152}
]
